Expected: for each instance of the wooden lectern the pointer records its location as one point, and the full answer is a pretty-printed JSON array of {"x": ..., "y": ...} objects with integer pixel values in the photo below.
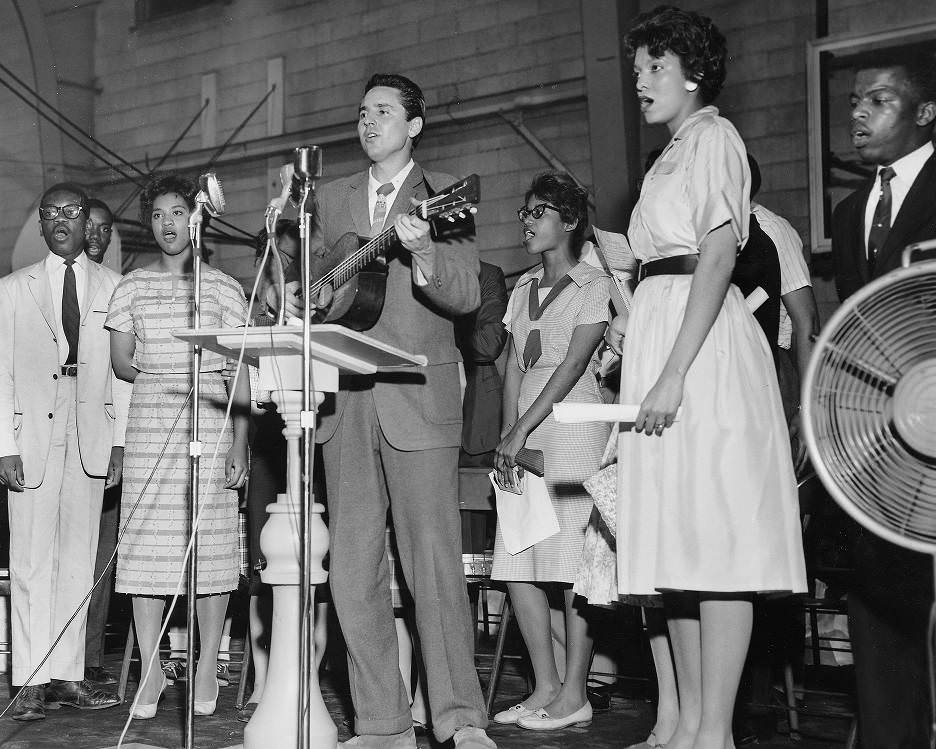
[{"x": 277, "y": 350}]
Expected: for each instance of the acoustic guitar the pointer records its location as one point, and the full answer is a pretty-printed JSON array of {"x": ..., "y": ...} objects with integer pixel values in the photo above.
[{"x": 356, "y": 268}]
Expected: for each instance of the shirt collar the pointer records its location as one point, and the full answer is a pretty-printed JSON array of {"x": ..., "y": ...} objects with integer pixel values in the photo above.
[
  {"x": 55, "y": 263},
  {"x": 908, "y": 167},
  {"x": 707, "y": 111},
  {"x": 396, "y": 181},
  {"x": 579, "y": 273}
]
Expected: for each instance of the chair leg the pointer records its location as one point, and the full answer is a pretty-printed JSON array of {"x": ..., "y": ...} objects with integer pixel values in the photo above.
[
  {"x": 790, "y": 694},
  {"x": 125, "y": 663},
  {"x": 246, "y": 662},
  {"x": 498, "y": 654}
]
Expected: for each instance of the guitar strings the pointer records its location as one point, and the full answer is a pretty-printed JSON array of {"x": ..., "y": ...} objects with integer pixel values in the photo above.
[{"x": 380, "y": 240}]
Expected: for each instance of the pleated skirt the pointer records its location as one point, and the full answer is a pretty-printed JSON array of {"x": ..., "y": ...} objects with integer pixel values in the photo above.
[{"x": 711, "y": 505}]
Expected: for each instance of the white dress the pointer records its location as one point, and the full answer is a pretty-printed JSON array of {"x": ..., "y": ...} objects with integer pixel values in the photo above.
[{"x": 712, "y": 504}]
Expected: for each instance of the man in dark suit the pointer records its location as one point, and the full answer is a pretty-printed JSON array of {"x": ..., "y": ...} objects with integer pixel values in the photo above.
[
  {"x": 893, "y": 109},
  {"x": 391, "y": 441}
]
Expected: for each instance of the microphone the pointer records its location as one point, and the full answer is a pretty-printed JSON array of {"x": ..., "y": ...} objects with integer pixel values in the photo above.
[
  {"x": 210, "y": 196},
  {"x": 307, "y": 165}
]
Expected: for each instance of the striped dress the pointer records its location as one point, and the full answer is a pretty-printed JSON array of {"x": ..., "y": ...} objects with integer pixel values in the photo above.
[
  {"x": 571, "y": 451},
  {"x": 150, "y": 305}
]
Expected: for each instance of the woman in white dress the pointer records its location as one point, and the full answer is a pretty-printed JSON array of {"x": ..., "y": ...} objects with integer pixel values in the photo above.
[
  {"x": 556, "y": 316},
  {"x": 706, "y": 503}
]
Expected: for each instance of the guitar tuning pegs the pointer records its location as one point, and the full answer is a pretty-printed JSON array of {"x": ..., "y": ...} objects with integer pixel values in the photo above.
[
  {"x": 450, "y": 219},
  {"x": 461, "y": 214},
  {"x": 472, "y": 210}
]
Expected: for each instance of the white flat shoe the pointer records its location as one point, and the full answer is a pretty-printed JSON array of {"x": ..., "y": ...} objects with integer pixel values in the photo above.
[
  {"x": 540, "y": 720},
  {"x": 511, "y": 715}
]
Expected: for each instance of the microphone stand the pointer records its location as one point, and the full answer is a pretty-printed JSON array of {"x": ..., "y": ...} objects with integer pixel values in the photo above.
[
  {"x": 307, "y": 423},
  {"x": 195, "y": 451}
]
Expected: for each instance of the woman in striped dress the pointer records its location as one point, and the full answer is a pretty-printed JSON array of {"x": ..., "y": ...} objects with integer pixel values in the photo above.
[
  {"x": 147, "y": 305},
  {"x": 556, "y": 316}
]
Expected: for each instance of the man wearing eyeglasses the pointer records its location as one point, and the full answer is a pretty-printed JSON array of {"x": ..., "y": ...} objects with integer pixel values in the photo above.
[{"x": 62, "y": 421}]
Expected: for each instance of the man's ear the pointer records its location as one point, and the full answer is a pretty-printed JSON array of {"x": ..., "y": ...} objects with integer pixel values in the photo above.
[
  {"x": 414, "y": 127},
  {"x": 926, "y": 113}
]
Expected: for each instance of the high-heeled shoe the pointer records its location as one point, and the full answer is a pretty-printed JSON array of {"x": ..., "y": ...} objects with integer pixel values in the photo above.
[
  {"x": 207, "y": 707},
  {"x": 147, "y": 711}
]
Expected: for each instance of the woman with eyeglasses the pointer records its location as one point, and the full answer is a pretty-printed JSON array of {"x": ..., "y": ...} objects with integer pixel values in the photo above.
[
  {"x": 556, "y": 317},
  {"x": 706, "y": 503},
  {"x": 147, "y": 305}
]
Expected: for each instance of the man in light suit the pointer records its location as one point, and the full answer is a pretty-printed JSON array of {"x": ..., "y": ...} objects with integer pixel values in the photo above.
[
  {"x": 893, "y": 110},
  {"x": 62, "y": 421},
  {"x": 392, "y": 441}
]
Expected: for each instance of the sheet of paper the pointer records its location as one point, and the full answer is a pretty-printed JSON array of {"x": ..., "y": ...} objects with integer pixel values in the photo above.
[{"x": 525, "y": 519}]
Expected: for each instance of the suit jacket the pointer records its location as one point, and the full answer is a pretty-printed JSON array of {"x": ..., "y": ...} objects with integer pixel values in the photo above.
[
  {"x": 758, "y": 264},
  {"x": 420, "y": 407},
  {"x": 481, "y": 336},
  {"x": 915, "y": 222},
  {"x": 29, "y": 372}
]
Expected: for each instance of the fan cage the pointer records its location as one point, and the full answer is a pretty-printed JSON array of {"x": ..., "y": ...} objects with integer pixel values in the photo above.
[{"x": 858, "y": 415}]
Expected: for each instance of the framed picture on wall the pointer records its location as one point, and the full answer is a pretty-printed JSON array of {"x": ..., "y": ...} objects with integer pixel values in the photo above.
[{"x": 834, "y": 168}]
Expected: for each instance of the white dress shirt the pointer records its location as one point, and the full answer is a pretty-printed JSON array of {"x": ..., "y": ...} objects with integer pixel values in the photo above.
[{"x": 55, "y": 270}]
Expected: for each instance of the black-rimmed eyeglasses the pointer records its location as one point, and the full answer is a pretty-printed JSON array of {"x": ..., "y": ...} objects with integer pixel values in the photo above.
[
  {"x": 536, "y": 211},
  {"x": 50, "y": 212}
]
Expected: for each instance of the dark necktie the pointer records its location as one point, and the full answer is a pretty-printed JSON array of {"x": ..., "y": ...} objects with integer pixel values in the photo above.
[
  {"x": 380, "y": 209},
  {"x": 881, "y": 223},
  {"x": 71, "y": 317}
]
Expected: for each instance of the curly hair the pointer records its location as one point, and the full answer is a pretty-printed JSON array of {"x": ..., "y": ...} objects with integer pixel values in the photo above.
[
  {"x": 411, "y": 95},
  {"x": 166, "y": 184},
  {"x": 561, "y": 191},
  {"x": 285, "y": 227},
  {"x": 692, "y": 37}
]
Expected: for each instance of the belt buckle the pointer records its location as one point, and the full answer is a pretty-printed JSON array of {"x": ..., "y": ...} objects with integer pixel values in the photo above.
[{"x": 69, "y": 370}]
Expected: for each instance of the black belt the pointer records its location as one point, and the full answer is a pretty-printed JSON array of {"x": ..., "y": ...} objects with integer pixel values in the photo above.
[
  {"x": 69, "y": 370},
  {"x": 678, "y": 265}
]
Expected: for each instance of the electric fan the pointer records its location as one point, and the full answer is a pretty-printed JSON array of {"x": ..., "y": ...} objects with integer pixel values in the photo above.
[
  {"x": 869, "y": 411},
  {"x": 869, "y": 405}
]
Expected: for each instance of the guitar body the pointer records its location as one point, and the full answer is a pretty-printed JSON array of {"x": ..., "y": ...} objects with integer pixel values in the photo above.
[
  {"x": 357, "y": 303},
  {"x": 356, "y": 267}
]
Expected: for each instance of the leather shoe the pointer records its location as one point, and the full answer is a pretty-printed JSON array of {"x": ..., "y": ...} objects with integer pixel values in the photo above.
[
  {"x": 81, "y": 694},
  {"x": 99, "y": 675},
  {"x": 540, "y": 720},
  {"x": 511, "y": 715},
  {"x": 405, "y": 740},
  {"x": 471, "y": 737},
  {"x": 30, "y": 703}
]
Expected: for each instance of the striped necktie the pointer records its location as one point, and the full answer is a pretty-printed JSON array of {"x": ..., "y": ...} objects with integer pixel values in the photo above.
[
  {"x": 380, "y": 209},
  {"x": 881, "y": 222},
  {"x": 71, "y": 317}
]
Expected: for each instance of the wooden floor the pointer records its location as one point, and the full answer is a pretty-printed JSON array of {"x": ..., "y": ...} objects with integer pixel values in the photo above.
[{"x": 628, "y": 721}]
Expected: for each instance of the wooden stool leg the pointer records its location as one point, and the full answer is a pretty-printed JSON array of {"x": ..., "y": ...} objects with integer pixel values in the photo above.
[
  {"x": 790, "y": 693},
  {"x": 246, "y": 661},
  {"x": 498, "y": 654},
  {"x": 125, "y": 663}
]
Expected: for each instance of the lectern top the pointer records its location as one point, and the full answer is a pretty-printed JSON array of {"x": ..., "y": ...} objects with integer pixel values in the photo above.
[{"x": 346, "y": 349}]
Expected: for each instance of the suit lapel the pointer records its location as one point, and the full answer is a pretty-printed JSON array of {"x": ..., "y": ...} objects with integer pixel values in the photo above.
[
  {"x": 92, "y": 285},
  {"x": 856, "y": 223},
  {"x": 917, "y": 208},
  {"x": 412, "y": 188},
  {"x": 357, "y": 199},
  {"x": 41, "y": 291}
]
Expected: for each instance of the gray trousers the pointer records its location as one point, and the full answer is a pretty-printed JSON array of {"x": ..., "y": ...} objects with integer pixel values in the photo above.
[
  {"x": 99, "y": 606},
  {"x": 365, "y": 475}
]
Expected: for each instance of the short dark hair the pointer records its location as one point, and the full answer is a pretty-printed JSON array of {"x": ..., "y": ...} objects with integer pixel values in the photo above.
[
  {"x": 71, "y": 187},
  {"x": 411, "y": 95},
  {"x": 285, "y": 227},
  {"x": 692, "y": 37},
  {"x": 561, "y": 191},
  {"x": 919, "y": 67},
  {"x": 166, "y": 184},
  {"x": 755, "y": 175},
  {"x": 100, "y": 205}
]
